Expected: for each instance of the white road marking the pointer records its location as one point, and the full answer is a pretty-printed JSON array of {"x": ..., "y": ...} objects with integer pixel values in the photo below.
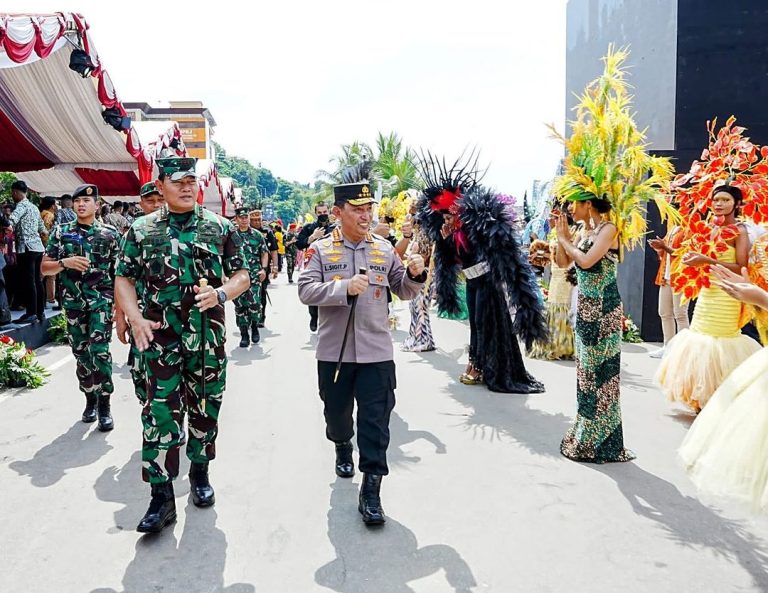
[{"x": 60, "y": 363}]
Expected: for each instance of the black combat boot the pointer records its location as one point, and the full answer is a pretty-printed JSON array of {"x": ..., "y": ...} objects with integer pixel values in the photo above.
[
  {"x": 89, "y": 414},
  {"x": 345, "y": 467},
  {"x": 370, "y": 500},
  {"x": 255, "y": 336},
  {"x": 161, "y": 511},
  {"x": 199, "y": 486},
  {"x": 244, "y": 342},
  {"x": 105, "y": 415}
]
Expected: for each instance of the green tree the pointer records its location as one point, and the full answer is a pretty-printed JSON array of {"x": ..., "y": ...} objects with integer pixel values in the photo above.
[
  {"x": 6, "y": 180},
  {"x": 395, "y": 165}
]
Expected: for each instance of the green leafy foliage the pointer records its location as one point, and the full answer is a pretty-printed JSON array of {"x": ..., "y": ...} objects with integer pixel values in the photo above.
[
  {"x": 57, "y": 329},
  {"x": 18, "y": 367},
  {"x": 260, "y": 187}
]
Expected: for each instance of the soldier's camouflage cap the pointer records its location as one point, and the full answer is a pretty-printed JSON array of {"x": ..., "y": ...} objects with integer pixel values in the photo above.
[
  {"x": 148, "y": 189},
  {"x": 177, "y": 168}
]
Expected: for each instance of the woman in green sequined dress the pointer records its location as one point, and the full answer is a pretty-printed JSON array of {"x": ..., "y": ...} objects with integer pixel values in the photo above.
[{"x": 596, "y": 435}]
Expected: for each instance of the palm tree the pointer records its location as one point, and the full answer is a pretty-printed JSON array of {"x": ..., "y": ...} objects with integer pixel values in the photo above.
[
  {"x": 351, "y": 154},
  {"x": 395, "y": 165}
]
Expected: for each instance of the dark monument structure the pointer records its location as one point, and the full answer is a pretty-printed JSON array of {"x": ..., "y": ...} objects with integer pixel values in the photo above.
[{"x": 691, "y": 61}]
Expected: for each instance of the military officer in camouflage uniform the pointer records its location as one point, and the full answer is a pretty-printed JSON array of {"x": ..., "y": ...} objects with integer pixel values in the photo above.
[
  {"x": 248, "y": 304},
  {"x": 290, "y": 240},
  {"x": 150, "y": 200},
  {"x": 167, "y": 253},
  {"x": 330, "y": 281},
  {"x": 83, "y": 254}
]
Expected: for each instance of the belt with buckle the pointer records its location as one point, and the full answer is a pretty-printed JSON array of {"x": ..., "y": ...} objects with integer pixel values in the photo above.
[{"x": 477, "y": 270}]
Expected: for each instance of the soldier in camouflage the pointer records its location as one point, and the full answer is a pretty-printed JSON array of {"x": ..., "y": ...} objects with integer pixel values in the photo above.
[
  {"x": 150, "y": 200},
  {"x": 248, "y": 304},
  {"x": 290, "y": 239},
  {"x": 83, "y": 253},
  {"x": 167, "y": 253}
]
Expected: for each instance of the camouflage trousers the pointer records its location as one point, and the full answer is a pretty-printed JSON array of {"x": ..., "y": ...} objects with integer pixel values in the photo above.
[
  {"x": 173, "y": 387},
  {"x": 90, "y": 333},
  {"x": 138, "y": 373},
  {"x": 290, "y": 262},
  {"x": 248, "y": 306}
]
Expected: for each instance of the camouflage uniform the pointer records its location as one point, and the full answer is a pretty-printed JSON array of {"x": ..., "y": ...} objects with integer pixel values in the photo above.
[
  {"x": 248, "y": 304},
  {"x": 290, "y": 253},
  {"x": 169, "y": 253},
  {"x": 87, "y": 299}
]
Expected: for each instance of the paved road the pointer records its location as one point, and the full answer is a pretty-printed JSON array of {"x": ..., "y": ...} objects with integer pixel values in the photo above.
[{"x": 479, "y": 498}]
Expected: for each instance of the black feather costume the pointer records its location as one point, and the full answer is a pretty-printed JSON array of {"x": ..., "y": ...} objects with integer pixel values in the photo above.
[{"x": 504, "y": 302}]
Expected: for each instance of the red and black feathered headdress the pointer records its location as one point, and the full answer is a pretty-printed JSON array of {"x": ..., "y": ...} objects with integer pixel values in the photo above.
[{"x": 444, "y": 185}]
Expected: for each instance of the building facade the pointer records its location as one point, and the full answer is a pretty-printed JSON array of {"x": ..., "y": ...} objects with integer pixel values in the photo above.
[
  {"x": 691, "y": 61},
  {"x": 194, "y": 119}
]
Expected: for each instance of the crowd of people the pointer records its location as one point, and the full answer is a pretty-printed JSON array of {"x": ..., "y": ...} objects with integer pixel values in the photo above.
[
  {"x": 161, "y": 273},
  {"x": 25, "y": 227}
]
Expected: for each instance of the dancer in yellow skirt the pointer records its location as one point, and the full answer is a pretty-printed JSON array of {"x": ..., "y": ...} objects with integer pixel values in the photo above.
[
  {"x": 726, "y": 450},
  {"x": 560, "y": 345},
  {"x": 698, "y": 359}
]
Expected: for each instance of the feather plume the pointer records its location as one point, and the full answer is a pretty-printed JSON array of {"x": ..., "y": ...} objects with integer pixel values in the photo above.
[{"x": 606, "y": 154}]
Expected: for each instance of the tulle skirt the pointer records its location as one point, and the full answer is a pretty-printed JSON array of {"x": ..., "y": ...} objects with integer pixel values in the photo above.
[
  {"x": 695, "y": 364},
  {"x": 726, "y": 450}
]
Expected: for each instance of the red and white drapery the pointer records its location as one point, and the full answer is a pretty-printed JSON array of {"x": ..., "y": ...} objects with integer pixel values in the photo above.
[
  {"x": 52, "y": 133},
  {"x": 211, "y": 193}
]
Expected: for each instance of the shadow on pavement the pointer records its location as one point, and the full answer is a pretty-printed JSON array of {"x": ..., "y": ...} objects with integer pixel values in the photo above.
[
  {"x": 194, "y": 564},
  {"x": 75, "y": 448},
  {"x": 124, "y": 486},
  {"x": 684, "y": 519},
  {"x": 401, "y": 434},
  {"x": 382, "y": 560},
  {"x": 243, "y": 357},
  {"x": 688, "y": 522}
]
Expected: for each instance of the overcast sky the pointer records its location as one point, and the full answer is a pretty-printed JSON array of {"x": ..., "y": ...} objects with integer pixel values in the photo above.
[{"x": 289, "y": 81}]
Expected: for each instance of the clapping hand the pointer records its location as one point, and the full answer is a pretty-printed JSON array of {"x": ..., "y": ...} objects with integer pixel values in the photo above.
[
  {"x": 740, "y": 287},
  {"x": 695, "y": 259}
]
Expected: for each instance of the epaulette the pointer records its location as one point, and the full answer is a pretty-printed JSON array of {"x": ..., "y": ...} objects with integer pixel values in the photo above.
[{"x": 371, "y": 238}]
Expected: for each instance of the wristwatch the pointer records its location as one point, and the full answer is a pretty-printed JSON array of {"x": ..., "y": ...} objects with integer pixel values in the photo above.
[
  {"x": 61, "y": 264},
  {"x": 222, "y": 296}
]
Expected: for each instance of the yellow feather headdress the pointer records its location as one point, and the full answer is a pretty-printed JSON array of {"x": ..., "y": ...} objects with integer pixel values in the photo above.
[{"x": 606, "y": 156}]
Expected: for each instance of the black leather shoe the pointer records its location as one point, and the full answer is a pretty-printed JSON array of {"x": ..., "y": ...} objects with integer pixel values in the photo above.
[
  {"x": 255, "y": 336},
  {"x": 28, "y": 318},
  {"x": 313, "y": 326},
  {"x": 105, "y": 414},
  {"x": 345, "y": 466},
  {"x": 161, "y": 511},
  {"x": 370, "y": 500},
  {"x": 89, "y": 414},
  {"x": 244, "y": 341},
  {"x": 199, "y": 486}
]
